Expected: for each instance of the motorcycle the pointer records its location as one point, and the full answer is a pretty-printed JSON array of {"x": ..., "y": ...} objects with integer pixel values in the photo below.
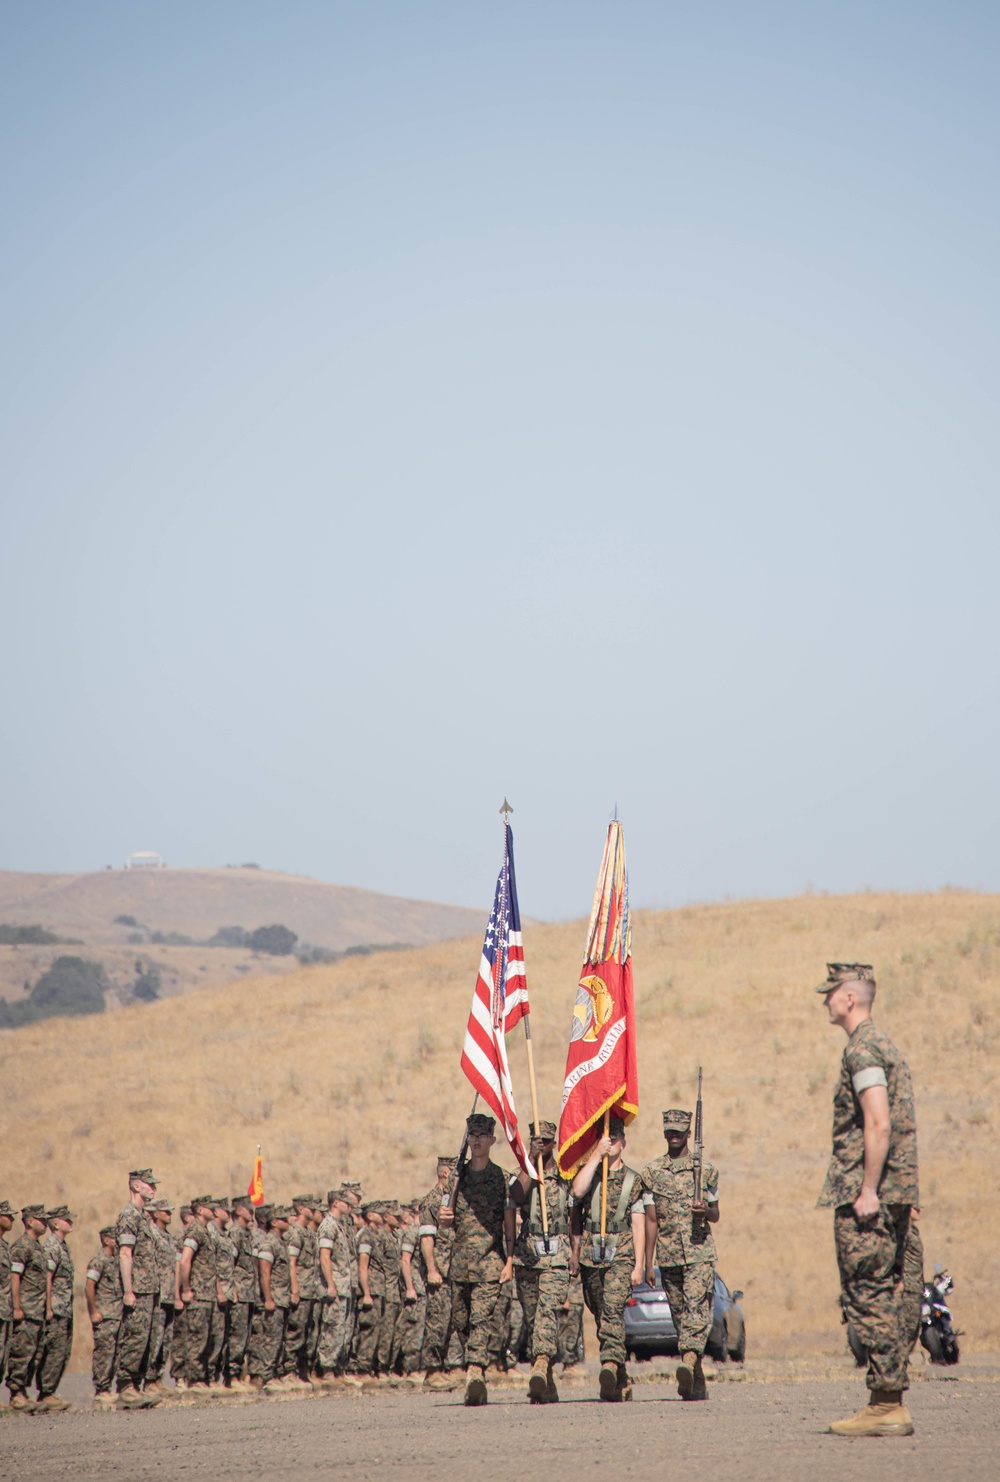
[{"x": 936, "y": 1332}]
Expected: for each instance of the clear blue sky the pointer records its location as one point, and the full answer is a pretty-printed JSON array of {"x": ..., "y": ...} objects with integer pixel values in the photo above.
[{"x": 408, "y": 404}]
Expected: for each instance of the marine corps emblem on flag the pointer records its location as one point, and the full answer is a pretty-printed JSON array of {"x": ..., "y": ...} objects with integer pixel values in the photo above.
[{"x": 601, "y": 1076}]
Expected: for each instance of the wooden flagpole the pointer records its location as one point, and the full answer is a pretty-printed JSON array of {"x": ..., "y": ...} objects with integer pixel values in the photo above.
[{"x": 604, "y": 1180}]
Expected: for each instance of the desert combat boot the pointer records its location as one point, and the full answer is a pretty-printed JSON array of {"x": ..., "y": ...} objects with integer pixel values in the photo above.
[
  {"x": 476, "y": 1392},
  {"x": 884, "y": 1415}
]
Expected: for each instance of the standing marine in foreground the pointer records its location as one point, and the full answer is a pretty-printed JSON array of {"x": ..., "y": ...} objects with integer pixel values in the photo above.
[
  {"x": 482, "y": 1255},
  {"x": 871, "y": 1185},
  {"x": 680, "y": 1242}
]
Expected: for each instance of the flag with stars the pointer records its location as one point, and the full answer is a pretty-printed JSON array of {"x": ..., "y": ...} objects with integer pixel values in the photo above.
[{"x": 499, "y": 1001}]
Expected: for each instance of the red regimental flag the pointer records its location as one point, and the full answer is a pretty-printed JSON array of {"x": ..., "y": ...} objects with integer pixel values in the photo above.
[
  {"x": 601, "y": 1073},
  {"x": 256, "y": 1186}
]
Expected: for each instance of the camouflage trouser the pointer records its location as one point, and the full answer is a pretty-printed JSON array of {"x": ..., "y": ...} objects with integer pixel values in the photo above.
[
  {"x": 472, "y": 1306},
  {"x": 542, "y": 1292},
  {"x": 5, "y": 1327},
  {"x": 437, "y": 1327},
  {"x": 606, "y": 1290},
  {"x": 388, "y": 1349},
  {"x": 104, "y": 1361},
  {"x": 216, "y": 1362},
  {"x": 160, "y": 1341},
  {"x": 238, "y": 1338},
  {"x": 267, "y": 1338},
  {"x": 691, "y": 1293},
  {"x": 369, "y": 1332},
  {"x": 571, "y": 1325},
  {"x": 518, "y": 1334},
  {"x": 499, "y": 1339},
  {"x": 178, "y": 1347},
  {"x": 54, "y": 1357},
  {"x": 913, "y": 1285},
  {"x": 296, "y": 1357},
  {"x": 25, "y": 1351},
  {"x": 410, "y": 1327},
  {"x": 871, "y": 1259},
  {"x": 334, "y": 1334},
  {"x": 133, "y": 1340},
  {"x": 203, "y": 1319}
]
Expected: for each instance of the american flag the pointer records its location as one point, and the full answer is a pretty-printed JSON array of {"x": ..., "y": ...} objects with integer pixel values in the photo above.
[{"x": 499, "y": 1002}]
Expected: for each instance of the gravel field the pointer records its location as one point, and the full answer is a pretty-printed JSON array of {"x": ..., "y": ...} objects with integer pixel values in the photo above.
[{"x": 762, "y": 1424}]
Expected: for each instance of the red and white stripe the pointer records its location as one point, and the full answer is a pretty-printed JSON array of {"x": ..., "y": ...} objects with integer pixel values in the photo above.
[{"x": 484, "y": 1054}]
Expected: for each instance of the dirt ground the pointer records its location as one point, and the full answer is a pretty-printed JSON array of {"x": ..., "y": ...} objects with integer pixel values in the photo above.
[{"x": 762, "y": 1424}]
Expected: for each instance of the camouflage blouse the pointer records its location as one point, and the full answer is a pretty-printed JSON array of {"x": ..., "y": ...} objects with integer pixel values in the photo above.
[
  {"x": 478, "y": 1250},
  {"x": 871, "y": 1059},
  {"x": 370, "y": 1244},
  {"x": 62, "y": 1274},
  {"x": 167, "y": 1257},
  {"x": 273, "y": 1250},
  {"x": 201, "y": 1242},
  {"x": 590, "y": 1210},
  {"x": 430, "y": 1209},
  {"x": 302, "y": 1243},
  {"x": 244, "y": 1272},
  {"x": 225, "y": 1262},
  {"x": 333, "y": 1237},
  {"x": 106, "y": 1274},
  {"x": 681, "y": 1240},
  {"x": 6, "y": 1304},
  {"x": 135, "y": 1229},
  {"x": 557, "y": 1205},
  {"x": 31, "y": 1261}
]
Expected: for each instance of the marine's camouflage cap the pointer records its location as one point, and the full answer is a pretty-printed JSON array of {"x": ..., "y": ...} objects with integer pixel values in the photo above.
[
  {"x": 281, "y": 1212},
  {"x": 241, "y": 1201},
  {"x": 33, "y": 1211},
  {"x": 200, "y": 1200},
  {"x": 846, "y": 972},
  {"x": 616, "y": 1127},
  {"x": 305, "y": 1201},
  {"x": 675, "y": 1117},
  {"x": 161, "y": 1206},
  {"x": 479, "y": 1122},
  {"x": 374, "y": 1206},
  {"x": 108, "y": 1230},
  {"x": 262, "y": 1213},
  {"x": 146, "y": 1174},
  {"x": 59, "y": 1212},
  {"x": 7, "y": 1208},
  {"x": 351, "y": 1183},
  {"x": 546, "y": 1130},
  {"x": 390, "y": 1206},
  {"x": 221, "y": 1204},
  {"x": 186, "y": 1209},
  {"x": 341, "y": 1194},
  {"x": 447, "y": 1160}
]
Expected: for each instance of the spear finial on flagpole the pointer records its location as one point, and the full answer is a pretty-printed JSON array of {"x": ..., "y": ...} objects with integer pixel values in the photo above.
[{"x": 505, "y": 809}]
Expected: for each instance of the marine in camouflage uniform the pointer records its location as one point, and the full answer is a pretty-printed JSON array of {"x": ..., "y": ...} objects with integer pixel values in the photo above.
[
  {"x": 303, "y": 1257},
  {"x": 58, "y": 1341},
  {"x": 225, "y": 1275},
  {"x": 871, "y": 1205},
  {"x": 6, "y": 1304},
  {"x": 104, "y": 1304},
  {"x": 268, "y": 1334},
  {"x": 245, "y": 1290},
  {"x": 200, "y": 1292},
  {"x": 542, "y": 1276},
  {"x": 442, "y": 1348},
  {"x": 413, "y": 1291},
  {"x": 178, "y": 1347},
  {"x": 337, "y": 1262},
  {"x": 372, "y": 1275},
  {"x": 571, "y": 1324},
  {"x": 165, "y": 1315},
  {"x": 389, "y": 1326},
  {"x": 31, "y": 1269},
  {"x": 482, "y": 1252},
  {"x": 609, "y": 1271},
  {"x": 140, "y": 1289},
  {"x": 680, "y": 1242}
]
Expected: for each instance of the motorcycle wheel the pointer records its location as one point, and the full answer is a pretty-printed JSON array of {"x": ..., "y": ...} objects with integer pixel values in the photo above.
[
  {"x": 932, "y": 1341},
  {"x": 856, "y": 1346},
  {"x": 950, "y": 1351}
]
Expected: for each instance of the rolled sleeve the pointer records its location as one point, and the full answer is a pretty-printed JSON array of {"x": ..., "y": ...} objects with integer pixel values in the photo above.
[{"x": 872, "y": 1075}]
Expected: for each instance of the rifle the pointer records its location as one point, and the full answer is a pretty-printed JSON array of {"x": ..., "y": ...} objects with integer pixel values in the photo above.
[
  {"x": 696, "y": 1156},
  {"x": 463, "y": 1153}
]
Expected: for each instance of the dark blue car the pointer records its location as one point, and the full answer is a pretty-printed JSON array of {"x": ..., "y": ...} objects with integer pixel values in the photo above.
[{"x": 649, "y": 1325}]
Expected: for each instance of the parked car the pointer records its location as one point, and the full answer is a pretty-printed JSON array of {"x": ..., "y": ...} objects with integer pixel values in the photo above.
[{"x": 649, "y": 1324}]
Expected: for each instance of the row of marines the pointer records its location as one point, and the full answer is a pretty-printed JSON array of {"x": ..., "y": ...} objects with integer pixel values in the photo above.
[{"x": 336, "y": 1291}]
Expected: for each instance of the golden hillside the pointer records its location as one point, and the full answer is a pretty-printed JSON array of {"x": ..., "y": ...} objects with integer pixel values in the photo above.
[
  {"x": 196, "y": 903},
  {"x": 353, "y": 1070}
]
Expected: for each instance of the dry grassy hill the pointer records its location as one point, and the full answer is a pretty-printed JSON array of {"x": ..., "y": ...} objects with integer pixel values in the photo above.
[
  {"x": 195, "y": 903},
  {"x": 352, "y": 1070}
]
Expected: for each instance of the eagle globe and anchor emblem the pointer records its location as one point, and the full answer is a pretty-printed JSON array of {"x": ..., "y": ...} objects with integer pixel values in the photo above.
[{"x": 593, "y": 1008}]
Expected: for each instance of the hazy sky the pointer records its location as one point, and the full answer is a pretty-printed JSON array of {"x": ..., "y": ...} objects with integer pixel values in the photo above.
[{"x": 408, "y": 404}]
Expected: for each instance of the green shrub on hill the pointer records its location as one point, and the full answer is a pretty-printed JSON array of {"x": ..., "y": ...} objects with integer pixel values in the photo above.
[{"x": 72, "y": 985}]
